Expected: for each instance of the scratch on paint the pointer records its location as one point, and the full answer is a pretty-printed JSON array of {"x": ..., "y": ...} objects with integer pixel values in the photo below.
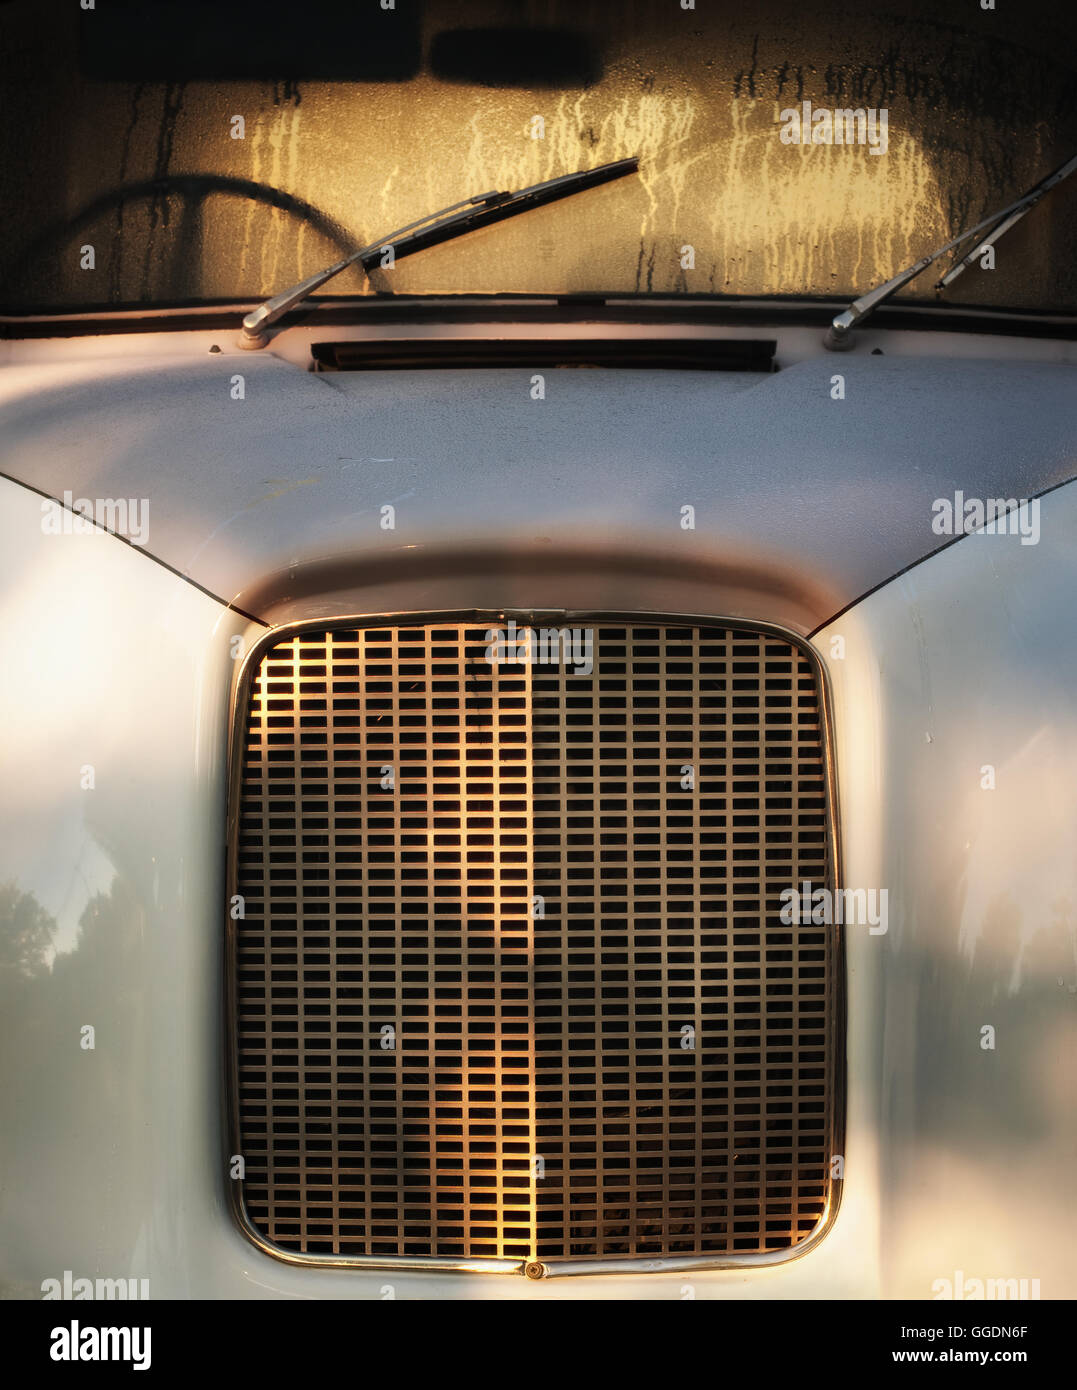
[{"x": 283, "y": 485}]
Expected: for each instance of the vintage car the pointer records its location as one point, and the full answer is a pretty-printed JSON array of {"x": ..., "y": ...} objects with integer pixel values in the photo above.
[{"x": 542, "y": 767}]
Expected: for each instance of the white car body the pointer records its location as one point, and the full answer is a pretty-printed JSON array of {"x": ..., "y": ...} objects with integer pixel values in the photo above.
[{"x": 812, "y": 511}]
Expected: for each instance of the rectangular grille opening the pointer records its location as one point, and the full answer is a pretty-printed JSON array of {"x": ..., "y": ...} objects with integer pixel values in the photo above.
[{"x": 511, "y": 980}]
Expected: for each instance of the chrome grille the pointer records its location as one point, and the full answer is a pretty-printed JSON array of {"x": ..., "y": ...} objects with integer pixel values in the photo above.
[{"x": 510, "y": 980}]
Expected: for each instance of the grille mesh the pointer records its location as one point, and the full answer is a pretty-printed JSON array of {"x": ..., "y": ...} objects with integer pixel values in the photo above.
[{"x": 511, "y": 979}]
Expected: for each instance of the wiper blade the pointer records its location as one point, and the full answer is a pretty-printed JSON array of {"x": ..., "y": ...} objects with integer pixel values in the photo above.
[
  {"x": 839, "y": 334},
  {"x": 453, "y": 221}
]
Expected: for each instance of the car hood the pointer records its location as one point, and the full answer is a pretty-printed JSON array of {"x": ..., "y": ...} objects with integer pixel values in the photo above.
[{"x": 254, "y": 468}]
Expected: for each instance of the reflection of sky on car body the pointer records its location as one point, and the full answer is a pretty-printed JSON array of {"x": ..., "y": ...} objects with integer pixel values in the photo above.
[{"x": 980, "y": 108}]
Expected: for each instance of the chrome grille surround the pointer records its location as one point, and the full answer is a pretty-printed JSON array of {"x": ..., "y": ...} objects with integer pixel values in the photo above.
[{"x": 537, "y": 1105}]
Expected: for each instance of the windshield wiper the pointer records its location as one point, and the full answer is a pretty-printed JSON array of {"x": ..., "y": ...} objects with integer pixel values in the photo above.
[
  {"x": 839, "y": 334},
  {"x": 443, "y": 225}
]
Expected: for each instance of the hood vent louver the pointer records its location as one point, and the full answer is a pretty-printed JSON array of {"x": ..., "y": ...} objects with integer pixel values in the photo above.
[{"x": 681, "y": 354}]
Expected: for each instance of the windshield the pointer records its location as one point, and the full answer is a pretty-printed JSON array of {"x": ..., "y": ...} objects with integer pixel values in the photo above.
[{"x": 190, "y": 152}]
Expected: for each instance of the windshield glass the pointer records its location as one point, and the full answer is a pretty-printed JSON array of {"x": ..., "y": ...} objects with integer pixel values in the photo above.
[{"x": 186, "y": 152}]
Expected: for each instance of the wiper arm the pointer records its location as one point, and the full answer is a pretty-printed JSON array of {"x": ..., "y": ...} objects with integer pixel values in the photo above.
[
  {"x": 437, "y": 227},
  {"x": 1026, "y": 204},
  {"x": 839, "y": 334}
]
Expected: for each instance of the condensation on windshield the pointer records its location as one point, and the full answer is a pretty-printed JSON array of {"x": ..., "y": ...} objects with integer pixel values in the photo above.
[{"x": 151, "y": 177}]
